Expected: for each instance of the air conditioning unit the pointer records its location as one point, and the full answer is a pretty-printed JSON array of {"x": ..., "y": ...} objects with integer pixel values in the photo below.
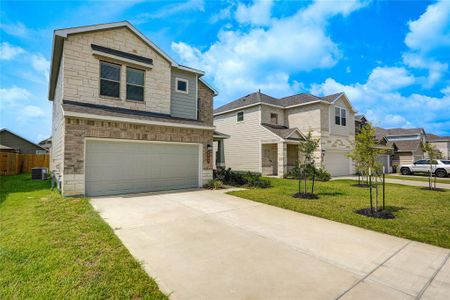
[{"x": 39, "y": 173}]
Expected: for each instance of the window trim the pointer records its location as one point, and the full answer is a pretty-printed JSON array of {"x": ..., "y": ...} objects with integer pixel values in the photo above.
[
  {"x": 177, "y": 79},
  {"x": 100, "y": 79},
  {"x": 237, "y": 116},
  {"x": 126, "y": 84},
  {"x": 276, "y": 118},
  {"x": 341, "y": 109}
]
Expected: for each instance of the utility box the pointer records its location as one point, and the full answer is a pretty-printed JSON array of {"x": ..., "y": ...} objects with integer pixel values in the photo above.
[{"x": 39, "y": 173}]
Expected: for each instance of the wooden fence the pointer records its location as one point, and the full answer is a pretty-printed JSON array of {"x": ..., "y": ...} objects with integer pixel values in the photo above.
[{"x": 13, "y": 163}]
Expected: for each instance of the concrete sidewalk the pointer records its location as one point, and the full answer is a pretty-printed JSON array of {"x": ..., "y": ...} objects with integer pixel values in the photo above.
[
  {"x": 210, "y": 245},
  {"x": 401, "y": 181}
]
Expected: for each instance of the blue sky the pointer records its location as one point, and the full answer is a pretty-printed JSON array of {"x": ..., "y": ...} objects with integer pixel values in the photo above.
[{"x": 391, "y": 58}]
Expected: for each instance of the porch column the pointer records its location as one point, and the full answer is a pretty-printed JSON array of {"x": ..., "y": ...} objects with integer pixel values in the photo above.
[
  {"x": 220, "y": 160},
  {"x": 282, "y": 159}
]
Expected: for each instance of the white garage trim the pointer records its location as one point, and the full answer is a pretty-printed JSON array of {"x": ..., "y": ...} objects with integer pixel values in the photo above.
[{"x": 200, "y": 153}]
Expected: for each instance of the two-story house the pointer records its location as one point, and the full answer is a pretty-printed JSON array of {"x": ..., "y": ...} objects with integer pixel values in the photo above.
[
  {"x": 264, "y": 132},
  {"x": 440, "y": 143},
  {"x": 126, "y": 116},
  {"x": 408, "y": 143}
]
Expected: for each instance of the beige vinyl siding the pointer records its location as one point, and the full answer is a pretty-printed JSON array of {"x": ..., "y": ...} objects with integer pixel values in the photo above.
[
  {"x": 349, "y": 129},
  {"x": 305, "y": 118},
  {"x": 444, "y": 147},
  {"x": 243, "y": 148},
  {"x": 184, "y": 105},
  {"x": 267, "y": 110},
  {"x": 405, "y": 158},
  {"x": 57, "y": 153}
]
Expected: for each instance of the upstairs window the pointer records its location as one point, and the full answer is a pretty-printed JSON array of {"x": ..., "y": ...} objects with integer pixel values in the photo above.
[
  {"x": 182, "y": 85},
  {"x": 240, "y": 116},
  {"x": 340, "y": 116},
  {"x": 343, "y": 117},
  {"x": 337, "y": 116},
  {"x": 135, "y": 84},
  {"x": 274, "y": 118},
  {"x": 109, "y": 79}
]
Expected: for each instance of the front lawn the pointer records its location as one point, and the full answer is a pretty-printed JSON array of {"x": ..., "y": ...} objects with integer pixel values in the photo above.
[
  {"x": 421, "y": 215},
  {"x": 56, "y": 248},
  {"x": 418, "y": 178}
]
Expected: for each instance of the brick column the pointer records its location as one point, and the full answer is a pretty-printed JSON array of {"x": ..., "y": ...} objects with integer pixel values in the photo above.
[{"x": 282, "y": 159}]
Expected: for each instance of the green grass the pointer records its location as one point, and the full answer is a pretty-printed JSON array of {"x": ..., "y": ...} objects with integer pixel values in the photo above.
[
  {"x": 418, "y": 178},
  {"x": 421, "y": 215},
  {"x": 53, "y": 248}
]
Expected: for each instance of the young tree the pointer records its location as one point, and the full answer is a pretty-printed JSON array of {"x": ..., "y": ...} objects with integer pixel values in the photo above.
[
  {"x": 433, "y": 154},
  {"x": 307, "y": 148},
  {"x": 365, "y": 153}
]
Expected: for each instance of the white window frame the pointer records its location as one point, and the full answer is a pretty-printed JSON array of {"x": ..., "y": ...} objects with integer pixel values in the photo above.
[
  {"x": 182, "y": 80},
  {"x": 127, "y": 83},
  {"x": 340, "y": 116},
  {"x": 243, "y": 116}
]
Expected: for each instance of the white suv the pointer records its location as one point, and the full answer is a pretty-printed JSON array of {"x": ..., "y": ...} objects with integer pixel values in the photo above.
[{"x": 441, "y": 168}]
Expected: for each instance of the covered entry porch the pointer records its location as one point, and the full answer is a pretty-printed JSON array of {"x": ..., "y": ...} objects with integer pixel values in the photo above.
[{"x": 277, "y": 159}]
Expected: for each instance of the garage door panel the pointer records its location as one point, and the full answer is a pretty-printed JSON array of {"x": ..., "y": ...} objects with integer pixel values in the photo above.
[
  {"x": 129, "y": 167},
  {"x": 337, "y": 163}
]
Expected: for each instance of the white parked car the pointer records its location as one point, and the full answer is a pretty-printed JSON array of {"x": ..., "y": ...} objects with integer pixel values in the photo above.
[{"x": 439, "y": 167}]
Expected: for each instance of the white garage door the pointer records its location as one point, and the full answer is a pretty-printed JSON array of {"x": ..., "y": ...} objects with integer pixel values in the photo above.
[
  {"x": 337, "y": 163},
  {"x": 116, "y": 167}
]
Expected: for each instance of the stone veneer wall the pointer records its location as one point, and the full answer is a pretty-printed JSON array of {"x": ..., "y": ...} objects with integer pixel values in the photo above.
[
  {"x": 76, "y": 130},
  {"x": 82, "y": 70}
]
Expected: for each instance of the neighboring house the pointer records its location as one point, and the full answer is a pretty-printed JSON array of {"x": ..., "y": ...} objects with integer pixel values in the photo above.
[
  {"x": 408, "y": 143},
  {"x": 265, "y": 131},
  {"x": 360, "y": 121},
  {"x": 46, "y": 144},
  {"x": 126, "y": 117},
  {"x": 12, "y": 142},
  {"x": 441, "y": 143}
]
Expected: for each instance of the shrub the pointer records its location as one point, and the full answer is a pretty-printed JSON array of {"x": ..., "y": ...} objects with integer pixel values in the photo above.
[
  {"x": 213, "y": 184},
  {"x": 254, "y": 180},
  {"x": 321, "y": 173},
  {"x": 230, "y": 178},
  {"x": 239, "y": 179}
]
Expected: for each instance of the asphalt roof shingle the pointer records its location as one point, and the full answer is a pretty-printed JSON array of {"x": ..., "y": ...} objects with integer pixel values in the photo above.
[
  {"x": 281, "y": 131},
  {"x": 259, "y": 97}
]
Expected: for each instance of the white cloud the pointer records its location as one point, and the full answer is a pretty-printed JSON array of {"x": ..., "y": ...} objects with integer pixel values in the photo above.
[
  {"x": 257, "y": 13},
  {"x": 170, "y": 10},
  {"x": 428, "y": 34},
  {"x": 16, "y": 29},
  {"x": 9, "y": 95},
  {"x": 8, "y": 51},
  {"x": 435, "y": 69},
  {"x": 446, "y": 91},
  {"x": 31, "y": 111},
  {"x": 40, "y": 64},
  {"x": 223, "y": 14},
  {"x": 432, "y": 29},
  {"x": 241, "y": 61},
  {"x": 389, "y": 108},
  {"x": 389, "y": 78}
]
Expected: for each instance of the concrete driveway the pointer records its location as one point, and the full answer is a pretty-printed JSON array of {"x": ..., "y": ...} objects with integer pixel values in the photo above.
[{"x": 209, "y": 245}]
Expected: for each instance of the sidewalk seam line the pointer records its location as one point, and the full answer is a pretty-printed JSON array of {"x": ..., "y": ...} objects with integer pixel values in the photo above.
[
  {"x": 428, "y": 283},
  {"x": 371, "y": 272}
]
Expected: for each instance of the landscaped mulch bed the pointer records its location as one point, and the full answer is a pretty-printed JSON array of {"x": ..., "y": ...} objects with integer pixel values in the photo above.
[{"x": 380, "y": 214}]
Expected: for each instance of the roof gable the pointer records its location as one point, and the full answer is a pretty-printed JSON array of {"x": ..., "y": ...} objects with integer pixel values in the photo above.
[
  {"x": 7, "y": 131},
  {"x": 60, "y": 35},
  {"x": 285, "y": 102}
]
